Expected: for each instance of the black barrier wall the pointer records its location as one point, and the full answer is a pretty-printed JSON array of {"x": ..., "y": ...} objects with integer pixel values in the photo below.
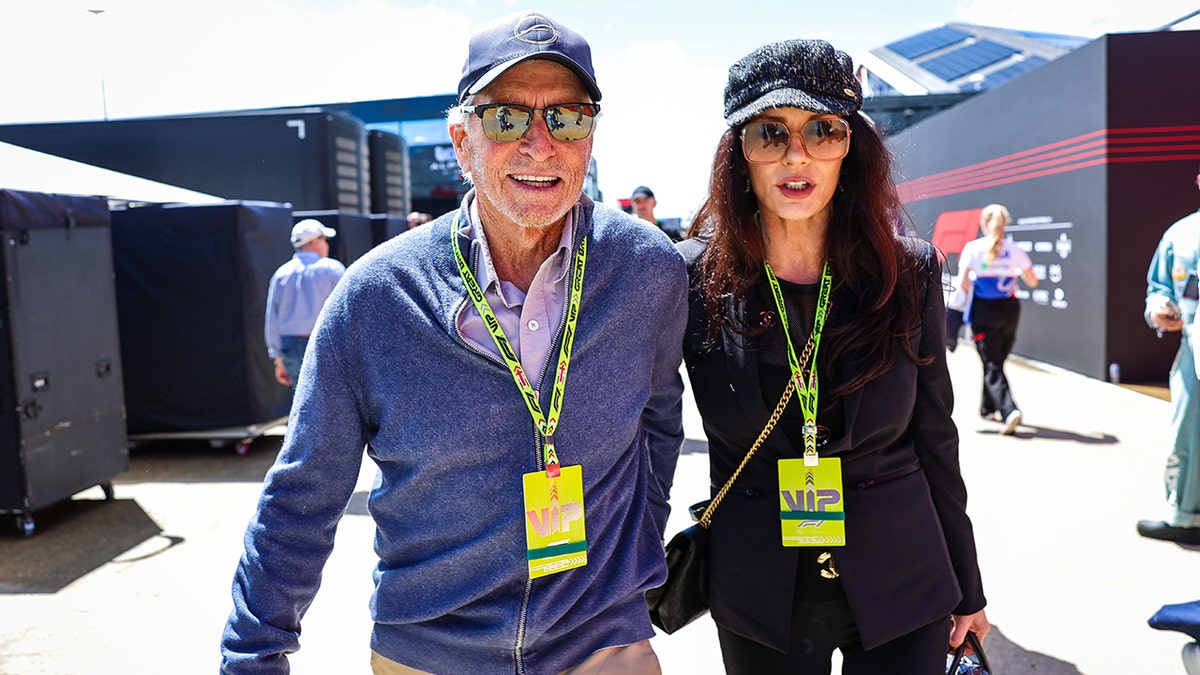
[
  {"x": 191, "y": 296},
  {"x": 1095, "y": 154}
]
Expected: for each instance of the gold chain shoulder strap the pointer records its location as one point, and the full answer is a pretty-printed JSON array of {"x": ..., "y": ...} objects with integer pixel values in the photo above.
[{"x": 706, "y": 518}]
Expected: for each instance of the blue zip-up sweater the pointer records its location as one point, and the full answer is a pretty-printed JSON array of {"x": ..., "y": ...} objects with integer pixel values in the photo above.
[{"x": 387, "y": 369}]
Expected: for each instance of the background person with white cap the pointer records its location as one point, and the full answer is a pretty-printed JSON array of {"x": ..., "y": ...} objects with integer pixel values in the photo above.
[
  {"x": 512, "y": 369},
  {"x": 297, "y": 291}
]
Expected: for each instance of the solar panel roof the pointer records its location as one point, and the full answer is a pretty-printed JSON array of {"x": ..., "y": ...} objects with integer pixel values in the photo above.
[
  {"x": 966, "y": 60},
  {"x": 929, "y": 41}
]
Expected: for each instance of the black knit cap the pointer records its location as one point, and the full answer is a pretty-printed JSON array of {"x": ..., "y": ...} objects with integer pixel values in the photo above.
[
  {"x": 505, "y": 42},
  {"x": 808, "y": 74}
]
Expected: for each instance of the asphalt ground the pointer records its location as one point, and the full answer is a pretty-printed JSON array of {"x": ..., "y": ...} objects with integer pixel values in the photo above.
[{"x": 141, "y": 584}]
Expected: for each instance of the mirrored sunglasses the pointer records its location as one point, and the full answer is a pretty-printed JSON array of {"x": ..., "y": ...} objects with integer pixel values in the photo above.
[
  {"x": 504, "y": 122},
  {"x": 764, "y": 142}
]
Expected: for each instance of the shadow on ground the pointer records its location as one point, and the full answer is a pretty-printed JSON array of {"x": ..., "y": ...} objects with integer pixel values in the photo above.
[
  {"x": 198, "y": 461},
  {"x": 1005, "y": 656},
  {"x": 71, "y": 539},
  {"x": 1030, "y": 432}
]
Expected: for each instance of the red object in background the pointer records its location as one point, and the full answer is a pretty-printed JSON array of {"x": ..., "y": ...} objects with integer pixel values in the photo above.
[{"x": 954, "y": 229}]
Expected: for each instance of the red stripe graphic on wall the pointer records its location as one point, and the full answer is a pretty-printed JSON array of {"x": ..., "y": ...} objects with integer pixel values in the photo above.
[{"x": 1107, "y": 146}]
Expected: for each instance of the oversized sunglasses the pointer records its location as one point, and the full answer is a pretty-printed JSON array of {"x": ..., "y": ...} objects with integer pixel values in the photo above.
[
  {"x": 764, "y": 142},
  {"x": 504, "y": 122}
]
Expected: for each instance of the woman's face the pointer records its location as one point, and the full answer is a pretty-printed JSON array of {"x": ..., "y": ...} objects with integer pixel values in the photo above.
[{"x": 795, "y": 186}]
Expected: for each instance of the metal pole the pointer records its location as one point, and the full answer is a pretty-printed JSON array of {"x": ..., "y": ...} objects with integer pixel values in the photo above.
[
  {"x": 103, "y": 93},
  {"x": 1179, "y": 20}
]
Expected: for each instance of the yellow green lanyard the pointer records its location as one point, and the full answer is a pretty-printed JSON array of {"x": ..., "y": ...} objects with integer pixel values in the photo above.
[
  {"x": 546, "y": 425},
  {"x": 807, "y": 390}
]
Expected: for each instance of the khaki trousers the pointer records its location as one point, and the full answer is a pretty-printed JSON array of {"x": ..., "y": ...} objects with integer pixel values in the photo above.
[{"x": 634, "y": 659}]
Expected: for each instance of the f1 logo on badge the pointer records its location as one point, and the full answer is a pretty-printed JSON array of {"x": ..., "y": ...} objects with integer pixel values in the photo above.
[{"x": 554, "y": 519}]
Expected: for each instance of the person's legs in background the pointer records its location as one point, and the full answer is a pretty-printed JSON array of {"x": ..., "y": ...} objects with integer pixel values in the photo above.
[{"x": 291, "y": 350}]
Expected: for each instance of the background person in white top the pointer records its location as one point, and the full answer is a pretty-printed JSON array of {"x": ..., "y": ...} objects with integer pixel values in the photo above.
[{"x": 990, "y": 266}]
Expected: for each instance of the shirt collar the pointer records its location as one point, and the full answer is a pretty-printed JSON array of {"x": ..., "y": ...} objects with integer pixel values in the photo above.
[{"x": 485, "y": 270}]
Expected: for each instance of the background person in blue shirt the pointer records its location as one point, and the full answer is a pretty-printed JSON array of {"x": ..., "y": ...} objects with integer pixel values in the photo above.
[{"x": 295, "y": 296}]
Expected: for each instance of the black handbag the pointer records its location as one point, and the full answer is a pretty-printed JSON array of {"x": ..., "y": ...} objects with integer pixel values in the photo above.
[
  {"x": 684, "y": 596},
  {"x": 958, "y": 663}
]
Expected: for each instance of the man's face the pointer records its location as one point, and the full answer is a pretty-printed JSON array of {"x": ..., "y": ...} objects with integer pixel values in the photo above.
[
  {"x": 534, "y": 181},
  {"x": 644, "y": 207}
]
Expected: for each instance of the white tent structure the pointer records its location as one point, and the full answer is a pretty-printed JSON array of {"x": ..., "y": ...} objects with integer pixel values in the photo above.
[{"x": 32, "y": 171}]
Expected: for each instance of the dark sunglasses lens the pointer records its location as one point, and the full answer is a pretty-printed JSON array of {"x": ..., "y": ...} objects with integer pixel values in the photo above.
[
  {"x": 505, "y": 123},
  {"x": 570, "y": 122},
  {"x": 826, "y": 139},
  {"x": 764, "y": 141}
]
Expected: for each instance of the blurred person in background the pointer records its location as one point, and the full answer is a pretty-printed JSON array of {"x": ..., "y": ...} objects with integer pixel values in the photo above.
[
  {"x": 295, "y": 296},
  {"x": 1171, "y": 298},
  {"x": 989, "y": 268},
  {"x": 644, "y": 202}
]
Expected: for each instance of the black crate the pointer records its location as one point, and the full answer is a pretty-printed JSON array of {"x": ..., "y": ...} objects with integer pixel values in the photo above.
[
  {"x": 191, "y": 295},
  {"x": 62, "y": 414},
  {"x": 355, "y": 233},
  {"x": 384, "y": 226},
  {"x": 307, "y": 158},
  {"x": 391, "y": 188}
]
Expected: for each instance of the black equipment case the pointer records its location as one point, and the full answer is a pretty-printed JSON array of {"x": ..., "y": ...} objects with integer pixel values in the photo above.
[{"x": 62, "y": 410}]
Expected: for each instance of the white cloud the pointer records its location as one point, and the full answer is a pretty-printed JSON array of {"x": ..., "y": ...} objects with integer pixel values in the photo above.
[
  {"x": 661, "y": 121},
  {"x": 1072, "y": 18}
]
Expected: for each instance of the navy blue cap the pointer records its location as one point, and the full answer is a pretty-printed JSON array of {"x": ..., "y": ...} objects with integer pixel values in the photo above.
[
  {"x": 503, "y": 43},
  {"x": 642, "y": 191}
]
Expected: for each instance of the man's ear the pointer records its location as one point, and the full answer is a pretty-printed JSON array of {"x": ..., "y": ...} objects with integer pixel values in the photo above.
[{"x": 458, "y": 137}]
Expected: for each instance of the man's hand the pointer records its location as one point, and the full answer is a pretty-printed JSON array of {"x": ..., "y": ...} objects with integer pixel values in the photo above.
[
  {"x": 281, "y": 374},
  {"x": 1166, "y": 318}
]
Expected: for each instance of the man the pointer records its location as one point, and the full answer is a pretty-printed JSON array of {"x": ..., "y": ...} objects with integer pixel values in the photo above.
[
  {"x": 643, "y": 206},
  {"x": 1171, "y": 296},
  {"x": 295, "y": 296},
  {"x": 513, "y": 370}
]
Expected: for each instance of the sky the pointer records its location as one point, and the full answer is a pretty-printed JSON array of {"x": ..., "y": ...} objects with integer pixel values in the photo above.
[{"x": 661, "y": 66}]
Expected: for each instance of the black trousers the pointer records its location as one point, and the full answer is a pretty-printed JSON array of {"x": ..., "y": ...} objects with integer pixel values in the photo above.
[
  {"x": 820, "y": 627},
  {"x": 994, "y": 326}
]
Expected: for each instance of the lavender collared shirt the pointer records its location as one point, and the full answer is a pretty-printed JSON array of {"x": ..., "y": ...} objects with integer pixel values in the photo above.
[{"x": 530, "y": 320}]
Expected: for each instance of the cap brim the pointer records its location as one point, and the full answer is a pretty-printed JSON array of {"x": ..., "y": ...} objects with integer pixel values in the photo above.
[
  {"x": 498, "y": 70},
  {"x": 329, "y": 232},
  {"x": 790, "y": 98}
]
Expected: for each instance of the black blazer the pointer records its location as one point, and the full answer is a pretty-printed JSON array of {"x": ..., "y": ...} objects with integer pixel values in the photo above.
[{"x": 910, "y": 553}]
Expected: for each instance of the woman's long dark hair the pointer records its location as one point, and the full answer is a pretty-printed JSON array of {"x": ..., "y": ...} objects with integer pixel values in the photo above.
[{"x": 874, "y": 274}]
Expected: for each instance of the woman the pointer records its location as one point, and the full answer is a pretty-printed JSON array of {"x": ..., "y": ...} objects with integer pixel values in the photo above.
[
  {"x": 797, "y": 258},
  {"x": 990, "y": 266}
]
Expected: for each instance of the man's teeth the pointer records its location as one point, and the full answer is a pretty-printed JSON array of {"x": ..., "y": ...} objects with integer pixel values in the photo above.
[
  {"x": 798, "y": 185},
  {"x": 544, "y": 180}
]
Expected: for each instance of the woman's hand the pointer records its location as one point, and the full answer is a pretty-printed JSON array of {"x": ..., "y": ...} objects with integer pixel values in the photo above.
[{"x": 959, "y": 625}]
